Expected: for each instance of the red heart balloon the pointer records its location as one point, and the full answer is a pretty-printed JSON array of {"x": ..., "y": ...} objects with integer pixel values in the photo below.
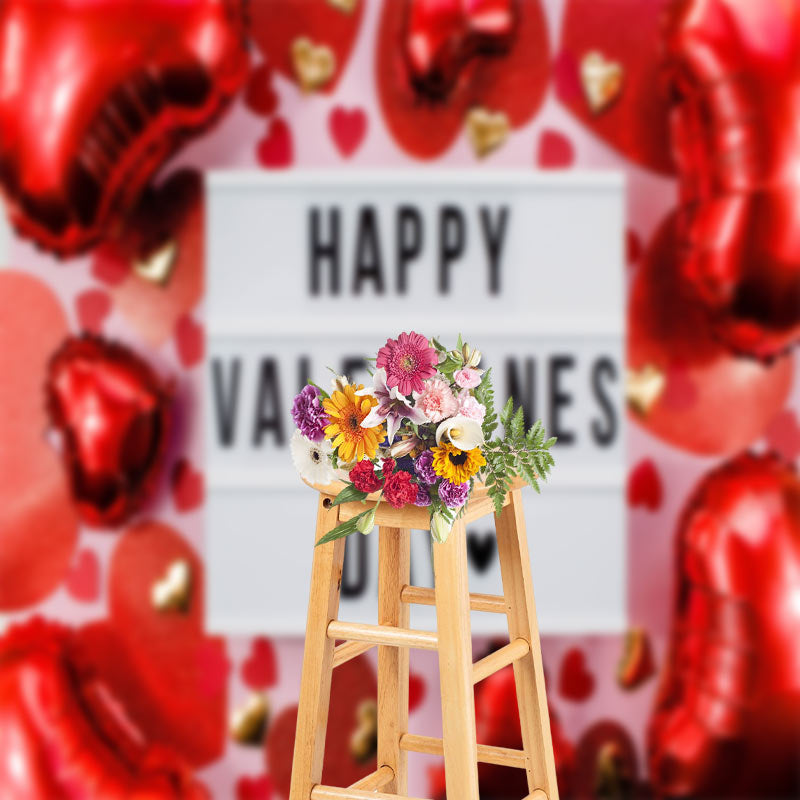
[
  {"x": 65, "y": 734},
  {"x": 735, "y": 78},
  {"x": 113, "y": 414},
  {"x": 96, "y": 95},
  {"x": 513, "y": 82},
  {"x": 170, "y": 675},
  {"x": 712, "y": 401},
  {"x": 727, "y": 717}
]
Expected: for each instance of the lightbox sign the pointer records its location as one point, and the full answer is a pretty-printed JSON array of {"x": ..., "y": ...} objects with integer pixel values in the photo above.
[{"x": 316, "y": 269}]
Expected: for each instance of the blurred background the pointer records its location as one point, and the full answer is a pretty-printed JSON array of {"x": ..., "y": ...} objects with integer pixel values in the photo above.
[{"x": 112, "y": 682}]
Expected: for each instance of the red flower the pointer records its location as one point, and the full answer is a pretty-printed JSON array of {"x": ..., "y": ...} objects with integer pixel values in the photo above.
[
  {"x": 399, "y": 490},
  {"x": 364, "y": 478},
  {"x": 387, "y": 467}
]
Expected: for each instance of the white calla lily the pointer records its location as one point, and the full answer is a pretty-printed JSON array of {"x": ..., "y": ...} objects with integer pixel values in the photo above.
[{"x": 462, "y": 432}]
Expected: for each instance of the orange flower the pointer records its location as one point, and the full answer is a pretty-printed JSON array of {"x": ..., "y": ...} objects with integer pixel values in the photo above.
[{"x": 346, "y": 412}]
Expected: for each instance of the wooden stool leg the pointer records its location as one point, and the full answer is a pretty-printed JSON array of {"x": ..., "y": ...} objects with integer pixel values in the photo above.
[
  {"x": 393, "y": 574},
  {"x": 315, "y": 683},
  {"x": 512, "y": 547},
  {"x": 455, "y": 666}
]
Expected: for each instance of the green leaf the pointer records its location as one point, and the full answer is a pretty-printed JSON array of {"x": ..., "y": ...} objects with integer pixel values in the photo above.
[
  {"x": 348, "y": 494},
  {"x": 322, "y": 392}
]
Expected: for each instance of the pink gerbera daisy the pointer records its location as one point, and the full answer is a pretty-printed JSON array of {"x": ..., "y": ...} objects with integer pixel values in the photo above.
[{"x": 409, "y": 360}]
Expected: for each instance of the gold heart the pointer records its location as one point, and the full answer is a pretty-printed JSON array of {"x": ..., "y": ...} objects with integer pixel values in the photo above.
[
  {"x": 643, "y": 388},
  {"x": 601, "y": 79},
  {"x": 158, "y": 265},
  {"x": 364, "y": 740},
  {"x": 314, "y": 64},
  {"x": 248, "y": 723},
  {"x": 343, "y": 5},
  {"x": 171, "y": 592},
  {"x": 486, "y": 130}
]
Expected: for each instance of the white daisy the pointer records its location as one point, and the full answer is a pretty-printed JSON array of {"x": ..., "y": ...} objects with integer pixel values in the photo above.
[{"x": 312, "y": 459}]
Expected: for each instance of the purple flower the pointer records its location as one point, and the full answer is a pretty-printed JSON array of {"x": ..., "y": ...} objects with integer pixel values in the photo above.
[
  {"x": 309, "y": 415},
  {"x": 423, "y": 498},
  {"x": 423, "y": 466},
  {"x": 453, "y": 495}
]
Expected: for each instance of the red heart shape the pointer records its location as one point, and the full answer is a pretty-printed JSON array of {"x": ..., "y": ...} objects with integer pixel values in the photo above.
[
  {"x": 575, "y": 682},
  {"x": 92, "y": 308},
  {"x": 83, "y": 579},
  {"x": 514, "y": 83},
  {"x": 190, "y": 341},
  {"x": 38, "y": 530},
  {"x": 254, "y": 788},
  {"x": 627, "y": 32},
  {"x": 274, "y": 25},
  {"x": 143, "y": 76},
  {"x": 260, "y": 669},
  {"x": 275, "y": 150},
  {"x": 161, "y": 663},
  {"x": 347, "y": 128},
  {"x": 171, "y": 213},
  {"x": 188, "y": 488},
  {"x": 260, "y": 96},
  {"x": 644, "y": 486},
  {"x": 555, "y": 150},
  {"x": 416, "y": 691}
]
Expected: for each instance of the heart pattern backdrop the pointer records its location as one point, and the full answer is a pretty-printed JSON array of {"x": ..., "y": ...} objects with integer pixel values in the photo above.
[{"x": 101, "y": 565}]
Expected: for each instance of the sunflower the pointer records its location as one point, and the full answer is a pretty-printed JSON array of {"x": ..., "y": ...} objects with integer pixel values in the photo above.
[
  {"x": 346, "y": 412},
  {"x": 457, "y": 466}
]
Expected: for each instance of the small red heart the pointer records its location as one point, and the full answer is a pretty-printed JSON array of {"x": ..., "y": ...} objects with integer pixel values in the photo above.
[
  {"x": 92, "y": 307},
  {"x": 260, "y": 669},
  {"x": 347, "y": 128},
  {"x": 260, "y": 96},
  {"x": 555, "y": 150},
  {"x": 275, "y": 149},
  {"x": 254, "y": 788},
  {"x": 83, "y": 578},
  {"x": 189, "y": 340},
  {"x": 783, "y": 434},
  {"x": 644, "y": 486},
  {"x": 575, "y": 681},
  {"x": 416, "y": 691},
  {"x": 107, "y": 268},
  {"x": 187, "y": 486}
]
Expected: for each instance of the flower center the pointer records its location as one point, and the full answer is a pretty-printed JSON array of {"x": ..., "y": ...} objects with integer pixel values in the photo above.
[
  {"x": 408, "y": 363},
  {"x": 316, "y": 455},
  {"x": 455, "y": 433},
  {"x": 459, "y": 458},
  {"x": 353, "y": 422}
]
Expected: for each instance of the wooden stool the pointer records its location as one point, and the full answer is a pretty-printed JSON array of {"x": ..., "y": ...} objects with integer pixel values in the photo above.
[{"x": 452, "y": 640}]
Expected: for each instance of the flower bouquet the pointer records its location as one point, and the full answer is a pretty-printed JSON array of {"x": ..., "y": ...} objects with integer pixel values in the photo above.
[{"x": 421, "y": 434}]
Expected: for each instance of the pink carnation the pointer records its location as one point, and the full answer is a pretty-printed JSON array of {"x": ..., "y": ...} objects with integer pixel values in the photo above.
[
  {"x": 469, "y": 407},
  {"x": 408, "y": 360},
  {"x": 437, "y": 400},
  {"x": 467, "y": 378}
]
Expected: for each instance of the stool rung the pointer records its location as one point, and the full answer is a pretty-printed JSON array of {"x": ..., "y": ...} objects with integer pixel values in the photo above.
[
  {"x": 487, "y": 754},
  {"x": 383, "y": 634},
  {"x": 500, "y": 658},
  {"x": 320, "y": 792},
  {"x": 375, "y": 780},
  {"x": 422, "y": 596},
  {"x": 348, "y": 650}
]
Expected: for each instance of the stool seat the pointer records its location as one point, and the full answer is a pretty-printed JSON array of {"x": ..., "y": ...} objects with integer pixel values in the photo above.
[
  {"x": 479, "y": 505},
  {"x": 393, "y": 638}
]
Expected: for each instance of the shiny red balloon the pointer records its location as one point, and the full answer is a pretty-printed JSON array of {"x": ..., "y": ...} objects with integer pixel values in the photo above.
[
  {"x": 65, "y": 734},
  {"x": 113, "y": 413},
  {"x": 95, "y": 95},
  {"x": 734, "y": 75},
  {"x": 727, "y": 717},
  {"x": 712, "y": 401},
  {"x": 440, "y": 37}
]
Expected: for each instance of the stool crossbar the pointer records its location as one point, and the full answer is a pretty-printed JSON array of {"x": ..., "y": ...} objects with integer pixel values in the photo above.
[{"x": 452, "y": 640}]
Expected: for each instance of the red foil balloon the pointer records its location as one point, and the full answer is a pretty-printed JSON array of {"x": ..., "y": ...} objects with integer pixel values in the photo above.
[
  {"x": 63, "y": 734},
  {"x": 735, "y": 79},
  {"x": 727, "y": 718},
  {"x": 113, "y": 413},
  {"x": 440, "y": 37},
  {"x": 96, "y": 94}
]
